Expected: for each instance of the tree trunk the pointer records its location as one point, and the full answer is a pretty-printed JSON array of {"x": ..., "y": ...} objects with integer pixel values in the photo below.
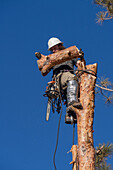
[
  {"x": 86, "y": 152},
  {"x": 45, "y": 63}
]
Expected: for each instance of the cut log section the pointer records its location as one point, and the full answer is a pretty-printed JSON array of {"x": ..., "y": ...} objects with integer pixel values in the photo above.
[{"x": 45, "y": 63}]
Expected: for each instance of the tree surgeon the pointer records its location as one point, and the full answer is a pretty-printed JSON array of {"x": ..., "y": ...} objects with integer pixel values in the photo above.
[{"x": 64, "y": 75}]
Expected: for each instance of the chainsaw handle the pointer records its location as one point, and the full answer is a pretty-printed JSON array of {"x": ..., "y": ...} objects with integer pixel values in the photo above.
[{"x": 51, "y": 82}]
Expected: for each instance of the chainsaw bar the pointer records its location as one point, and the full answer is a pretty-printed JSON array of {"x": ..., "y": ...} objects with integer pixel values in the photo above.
[{"x": 48, "y": 109}]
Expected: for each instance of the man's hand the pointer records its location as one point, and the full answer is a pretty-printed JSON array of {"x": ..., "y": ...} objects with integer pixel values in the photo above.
[
  {"x": 81, "y": 54},
  {"x": 78, "y": 63}
]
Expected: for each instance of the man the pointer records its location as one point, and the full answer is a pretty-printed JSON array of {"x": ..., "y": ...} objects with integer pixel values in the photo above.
[{"x": 68, "y": 80}]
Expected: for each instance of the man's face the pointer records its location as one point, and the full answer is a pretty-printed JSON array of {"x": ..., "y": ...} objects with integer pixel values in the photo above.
[{"x": 55, "y": 48}]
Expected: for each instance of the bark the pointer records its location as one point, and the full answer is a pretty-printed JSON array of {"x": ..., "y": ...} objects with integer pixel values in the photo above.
[
  {"x": 86, "y": 152},
  {"x": 47, "y": 62}
]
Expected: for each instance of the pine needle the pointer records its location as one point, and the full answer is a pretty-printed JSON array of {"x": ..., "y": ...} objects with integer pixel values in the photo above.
[{"x": 103, "y": 151}]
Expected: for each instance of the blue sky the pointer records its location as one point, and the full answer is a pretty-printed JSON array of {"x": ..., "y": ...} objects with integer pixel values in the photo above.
[{"x": 27, "y": 140}]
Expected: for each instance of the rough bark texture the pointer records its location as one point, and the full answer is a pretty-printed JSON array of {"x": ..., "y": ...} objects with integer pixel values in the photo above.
[
  {"x": 86, "y": 152},
  {"x": 47, "y": 62}
]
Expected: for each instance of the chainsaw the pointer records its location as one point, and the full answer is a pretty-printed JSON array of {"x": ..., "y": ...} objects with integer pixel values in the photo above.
[{"x": 52, "y": 92}]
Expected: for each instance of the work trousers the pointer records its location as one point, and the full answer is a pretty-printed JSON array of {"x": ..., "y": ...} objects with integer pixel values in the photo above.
[{"x": 64, "y": 78}]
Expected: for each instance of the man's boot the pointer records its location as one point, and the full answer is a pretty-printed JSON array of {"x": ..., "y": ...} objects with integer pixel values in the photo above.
[{"x": 69, "y": 119}]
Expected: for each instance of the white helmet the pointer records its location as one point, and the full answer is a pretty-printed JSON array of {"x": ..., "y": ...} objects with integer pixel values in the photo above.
[{"x": 53, "y": 41}]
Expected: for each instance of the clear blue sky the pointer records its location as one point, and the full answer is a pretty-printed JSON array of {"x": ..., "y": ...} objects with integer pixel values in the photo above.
[{"x": 27, "y": 141}]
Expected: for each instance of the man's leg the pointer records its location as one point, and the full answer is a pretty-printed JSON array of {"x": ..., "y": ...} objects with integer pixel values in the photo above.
[
  {"x": 69, "y": 80},
  {"x": 72, "y": 94}
]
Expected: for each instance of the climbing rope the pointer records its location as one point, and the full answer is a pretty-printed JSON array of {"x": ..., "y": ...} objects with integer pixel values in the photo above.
[
  {"x": 73, "y": 133},
  {"x": 57, "y": 139},
  {"x": 58, "y": 129},
  {"x": 80, "y": 72}
]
